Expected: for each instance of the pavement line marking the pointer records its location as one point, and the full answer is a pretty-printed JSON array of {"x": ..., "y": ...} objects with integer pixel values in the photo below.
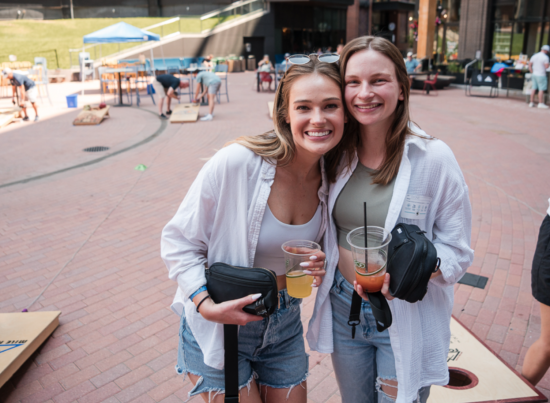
[
  {"x": 163, "y": 125},
  {"x": 503, "y": 191},
  {"x": 141, "y": 173}
]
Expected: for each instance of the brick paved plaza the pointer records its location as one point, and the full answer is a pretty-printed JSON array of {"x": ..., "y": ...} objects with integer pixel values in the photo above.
[{"x": 117, "y": 337}]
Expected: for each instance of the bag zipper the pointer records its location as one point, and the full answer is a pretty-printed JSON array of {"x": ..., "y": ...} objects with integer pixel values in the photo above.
[
  {"x": 418, "y": 273},
  {"x": 269, "y": 271},
  {"x": 241, "y": 281}
]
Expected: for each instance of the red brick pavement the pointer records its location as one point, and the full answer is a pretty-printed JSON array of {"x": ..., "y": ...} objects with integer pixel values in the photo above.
[{"x": 117, "y": 338}]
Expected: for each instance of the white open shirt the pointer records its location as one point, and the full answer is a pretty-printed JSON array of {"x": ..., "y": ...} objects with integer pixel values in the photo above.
[
  {"x": 219, "y": 220},
  {"x": 429, "y": 179}
]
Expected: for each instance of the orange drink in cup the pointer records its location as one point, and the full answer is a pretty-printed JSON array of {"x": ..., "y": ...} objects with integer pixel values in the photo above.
[
  {"x": 370, "y": 258},
  {"x": 298, "y": 284}
]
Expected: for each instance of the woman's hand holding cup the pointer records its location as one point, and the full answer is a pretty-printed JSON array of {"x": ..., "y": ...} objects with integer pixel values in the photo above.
[{"x": 316, "y": 267}]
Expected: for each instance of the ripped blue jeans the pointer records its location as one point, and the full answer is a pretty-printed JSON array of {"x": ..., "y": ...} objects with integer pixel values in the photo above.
[
  {"x": 271, "y": 351},
  {"x": 361, "y": 365}
]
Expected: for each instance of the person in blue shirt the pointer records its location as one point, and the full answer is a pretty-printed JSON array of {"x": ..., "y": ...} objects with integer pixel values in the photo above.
[
  {"x": 412, "y": 66},
  {"x": 28, "y": 91},
  {"x": 211, "y": 83}
]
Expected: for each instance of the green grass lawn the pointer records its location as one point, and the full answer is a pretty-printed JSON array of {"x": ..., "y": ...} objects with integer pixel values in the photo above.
[{"x": 27, "y": 39}]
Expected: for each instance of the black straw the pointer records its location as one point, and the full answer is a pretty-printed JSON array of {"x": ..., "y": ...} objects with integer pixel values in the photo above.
[{"x": 365, "y": 227}]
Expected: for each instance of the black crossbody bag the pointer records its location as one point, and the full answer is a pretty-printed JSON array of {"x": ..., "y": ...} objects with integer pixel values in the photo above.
[
  {"x": 412, "y": 259},
  {"x": 226, "y": 283}
]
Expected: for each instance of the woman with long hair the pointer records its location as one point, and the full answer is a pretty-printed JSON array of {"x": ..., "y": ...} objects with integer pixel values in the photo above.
[
  {"x": 247, "y": 200},
  {"x": 389, "y": 162}
]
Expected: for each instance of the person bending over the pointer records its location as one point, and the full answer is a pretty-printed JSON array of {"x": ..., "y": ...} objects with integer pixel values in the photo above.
[
  {"x": 210, "y": 83},
  {"x": 165, "y": 86},
  {"x": 28, "y": 91}
]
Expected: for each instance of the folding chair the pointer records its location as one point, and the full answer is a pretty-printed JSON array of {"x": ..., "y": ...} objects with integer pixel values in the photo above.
[
  {"x": 41, "y": 66},
  {"x": 221, "y": 71},
  {"x": 479, "y": 79},
  {"x": 105, "y": 80},
  {"x": 86, "y": 66}
]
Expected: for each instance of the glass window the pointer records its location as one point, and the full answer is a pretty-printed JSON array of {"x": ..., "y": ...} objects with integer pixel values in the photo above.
[
  {"x": 504, "y": 12},
  {"x": 502, "y": 36},
  {"x": 532, "y": 42},
  {"x": 518, "y": 40}
]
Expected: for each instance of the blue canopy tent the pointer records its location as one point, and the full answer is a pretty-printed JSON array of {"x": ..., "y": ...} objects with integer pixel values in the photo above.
[{"x": 121, "y": 33}]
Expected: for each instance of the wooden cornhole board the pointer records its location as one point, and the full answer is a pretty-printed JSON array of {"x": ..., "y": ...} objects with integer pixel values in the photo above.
[
  {"x": 20, "y": 335},
  {"x": 185, "y": 113},
  {"x": 270, "y": 107},
  {"x": 92, "y": 117},
  {"x": 493, "y": 380},
  {"x": 7, "y": 115}
]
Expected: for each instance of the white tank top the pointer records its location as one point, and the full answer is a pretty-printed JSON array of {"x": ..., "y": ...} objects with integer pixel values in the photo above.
[{"x": 274, "y": 233}]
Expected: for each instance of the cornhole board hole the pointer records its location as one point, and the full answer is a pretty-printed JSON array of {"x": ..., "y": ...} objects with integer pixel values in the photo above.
[
  {"x": 478, "y": 375},
  {"x": 185, "y": 113},
  {"x": 270, "y": 107},
  {"x": 20, "y": 335},
  {"x": 92, "y": 117}
]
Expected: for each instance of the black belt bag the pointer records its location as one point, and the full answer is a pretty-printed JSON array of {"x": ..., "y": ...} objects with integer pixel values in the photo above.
[
  {"x": 412, "y": 259},
  {"x": 226, "y": 283}
]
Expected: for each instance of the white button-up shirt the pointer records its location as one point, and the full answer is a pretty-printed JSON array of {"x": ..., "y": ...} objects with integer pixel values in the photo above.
[
  {"x": 430, "y": 192},
  {"x": 219, "y": 220}
]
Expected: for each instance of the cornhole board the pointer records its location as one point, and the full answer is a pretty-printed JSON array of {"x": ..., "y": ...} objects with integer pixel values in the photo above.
[
  {"x": 270, "y": 107},
  {"x": 20, "y": 335},
  {"x": 91, "y": 117},
  {"x": 7, "y": 115},
  {"x": 184, "y": 113},
  {"x": 478, "y": 375}
]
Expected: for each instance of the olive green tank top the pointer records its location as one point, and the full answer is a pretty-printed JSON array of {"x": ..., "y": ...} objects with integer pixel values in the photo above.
[{"x": 348, "y": 210}]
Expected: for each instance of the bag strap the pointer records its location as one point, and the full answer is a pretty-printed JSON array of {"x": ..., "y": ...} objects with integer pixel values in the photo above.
[
  {"x": 355, "y": 312},
  {"x": 380, "y": 310},
  {"x": 231, "y": 367}
]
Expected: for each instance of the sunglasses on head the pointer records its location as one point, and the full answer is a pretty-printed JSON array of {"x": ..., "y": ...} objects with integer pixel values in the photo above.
[{"x": 303, "y": 59}]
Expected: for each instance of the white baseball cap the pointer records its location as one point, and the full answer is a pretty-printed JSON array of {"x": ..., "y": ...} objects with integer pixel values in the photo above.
[
  {"x": 6, "y": 71},
  {"x": 409, "y": 54},
  {"x": 546, "y": 47}
]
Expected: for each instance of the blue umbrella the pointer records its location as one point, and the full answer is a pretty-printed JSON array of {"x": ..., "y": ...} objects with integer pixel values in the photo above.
[{"x": 120, "y": 33}]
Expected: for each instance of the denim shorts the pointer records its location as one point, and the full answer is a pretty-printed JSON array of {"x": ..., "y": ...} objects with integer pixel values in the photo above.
[
  {"x": 539, "y": 82},
  {"x": 271, "y": 351},
  {"x": 362, "y": 364},
  {"x": 212, "y": 89}
]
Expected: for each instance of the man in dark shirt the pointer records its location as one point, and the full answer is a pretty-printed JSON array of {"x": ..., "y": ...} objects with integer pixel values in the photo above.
[
  {"x": 166, "y": 85},
  {"x": 28, "y": 91}
]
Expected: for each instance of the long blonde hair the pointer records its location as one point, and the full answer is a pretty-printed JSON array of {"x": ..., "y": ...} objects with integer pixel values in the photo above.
[
  {"x": 395, "y": 138},
  {"x": 278, "y": 144}
]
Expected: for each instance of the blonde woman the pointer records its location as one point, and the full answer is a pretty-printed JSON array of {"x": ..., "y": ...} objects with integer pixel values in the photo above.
[{"x": 249, "y": 199}]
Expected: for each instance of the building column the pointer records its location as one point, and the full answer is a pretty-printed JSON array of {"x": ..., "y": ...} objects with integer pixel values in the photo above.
[
  {"x": 474, "y": 32},
  {"x": 352, "y": 21},
  {"x": 426, "y": 29}
]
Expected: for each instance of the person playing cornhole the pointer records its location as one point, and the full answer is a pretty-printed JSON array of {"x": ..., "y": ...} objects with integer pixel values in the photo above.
[
  {"x": 166, "y": 85},
  {"x": 211, "y": 83},
  {"x": 28, "y": 91}
]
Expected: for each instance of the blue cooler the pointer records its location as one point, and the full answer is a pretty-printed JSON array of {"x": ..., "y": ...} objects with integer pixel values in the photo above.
[{"x": 72, "y": 101}]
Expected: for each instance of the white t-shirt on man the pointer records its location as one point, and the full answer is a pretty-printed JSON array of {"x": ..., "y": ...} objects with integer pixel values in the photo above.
[{"x": 539, "y": 60}]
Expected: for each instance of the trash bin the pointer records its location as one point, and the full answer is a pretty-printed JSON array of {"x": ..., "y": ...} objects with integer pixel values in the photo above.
[
  {"x": 251, "y": 63},
  {"x": 72, "y": 101}
]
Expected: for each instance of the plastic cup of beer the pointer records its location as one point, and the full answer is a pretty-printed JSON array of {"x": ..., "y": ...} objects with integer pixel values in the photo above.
[
  {"x": 298, "y": 284},
  {"x": 370, "y": 261}
]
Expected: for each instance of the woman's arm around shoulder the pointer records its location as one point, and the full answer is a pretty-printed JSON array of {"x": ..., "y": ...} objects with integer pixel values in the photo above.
[{"x": 452, "y": 227}]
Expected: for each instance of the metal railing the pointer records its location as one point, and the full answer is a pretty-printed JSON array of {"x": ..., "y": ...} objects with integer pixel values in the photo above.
[
  {"x": 208, "y": 22},
  {"x": 237, "y": 9}
]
